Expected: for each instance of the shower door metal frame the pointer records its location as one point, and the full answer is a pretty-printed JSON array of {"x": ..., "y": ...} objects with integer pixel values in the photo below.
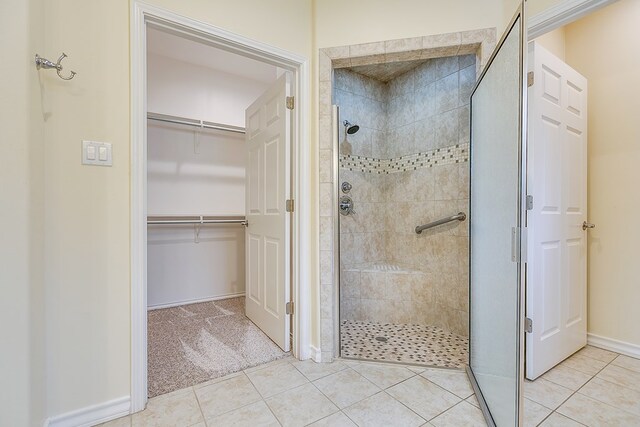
[
  {"x": 335, "y": 214},
  {"x": 520, "y": 238}
]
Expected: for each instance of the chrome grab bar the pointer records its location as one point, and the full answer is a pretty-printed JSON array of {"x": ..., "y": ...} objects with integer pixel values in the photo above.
[{"x": 460, "y": 216}]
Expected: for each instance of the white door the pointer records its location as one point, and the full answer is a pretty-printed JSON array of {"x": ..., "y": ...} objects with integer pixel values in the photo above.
[
  {"x": 267, "y": 188},
  {"x": 557, "y": 181}
]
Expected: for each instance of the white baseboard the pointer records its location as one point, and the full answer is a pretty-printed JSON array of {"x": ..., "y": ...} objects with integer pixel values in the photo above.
[
  {"x": 610, "y": 344},
  {"x": 316, "y": 354},
  {"x": 92, "y": 415},
  {"x": 194, "y": 301}
]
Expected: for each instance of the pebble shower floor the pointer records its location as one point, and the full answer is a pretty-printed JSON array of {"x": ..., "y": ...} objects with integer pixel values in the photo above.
[{"x": 412, "y": 344}]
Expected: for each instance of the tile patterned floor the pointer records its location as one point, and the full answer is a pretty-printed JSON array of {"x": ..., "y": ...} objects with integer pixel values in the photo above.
[
  {"x": 593, "y": 388},
  {"x": 420, "y": 344}
]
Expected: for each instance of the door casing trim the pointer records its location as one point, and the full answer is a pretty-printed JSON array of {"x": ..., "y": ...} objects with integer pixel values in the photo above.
[
  {"x": 143, "y": 14},
  {"x": 562, "y": 14}
]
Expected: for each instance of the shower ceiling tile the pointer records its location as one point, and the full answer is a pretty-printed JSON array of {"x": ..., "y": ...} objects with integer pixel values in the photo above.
[
  {"x": 445, "y": 66},
  {"x": 389, "y": 71},
  {"x": 466, "y": 60}
]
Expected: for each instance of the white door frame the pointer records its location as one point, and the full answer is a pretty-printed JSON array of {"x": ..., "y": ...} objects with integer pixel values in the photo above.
[
  {"x": 562, "y": 14},
  {"x": 143, "y": 14}
]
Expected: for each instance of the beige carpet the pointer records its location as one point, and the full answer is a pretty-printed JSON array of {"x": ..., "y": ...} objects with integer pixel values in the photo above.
[{"x": 194, "y": 343}]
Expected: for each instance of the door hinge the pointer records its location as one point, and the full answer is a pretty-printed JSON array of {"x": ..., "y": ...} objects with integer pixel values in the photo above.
[
  {"x": 290, "y": 102},
  {"x": 528, "y": 325},
  {"x": 515, "y": 244},
  {"x": 290, "y": 205},
  {"x": 288, "y": 308},
  {"x": 530, "y": 79},
  {"x": 529, "y": 202}
]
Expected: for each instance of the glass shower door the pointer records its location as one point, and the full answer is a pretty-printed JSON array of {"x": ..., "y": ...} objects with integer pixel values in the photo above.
[{"x": 497, "y": 180}]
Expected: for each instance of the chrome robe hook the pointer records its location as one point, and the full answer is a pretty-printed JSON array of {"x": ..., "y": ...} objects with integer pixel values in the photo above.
[{"x": 47, "y": 64}]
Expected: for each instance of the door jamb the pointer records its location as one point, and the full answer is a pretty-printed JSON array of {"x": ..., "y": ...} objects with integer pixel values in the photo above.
[
  {"x": 143, "y": 14},
  {"x": 562, "y": 14}
]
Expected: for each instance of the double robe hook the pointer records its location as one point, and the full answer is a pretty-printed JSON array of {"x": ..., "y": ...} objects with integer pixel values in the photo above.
[{"x": 46, "y": 64}]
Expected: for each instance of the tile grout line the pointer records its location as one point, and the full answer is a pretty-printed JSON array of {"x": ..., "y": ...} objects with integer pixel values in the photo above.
[
  {"x": 193, "y": 390},
  {"x": 264, "y": 399},
  {"x": 451, "y": 407},
  {"x": 365, "y": 378},
  {"x": 403, "y": 404},
  {"x": 231, "y": 410},
  {"x": 617, "y": 385},
  {"x": 327, "y": 397},
  {"x": 438, "y": 386},
  {"x": 381, "y": 390},
  {"x": 576, "y": 391}
]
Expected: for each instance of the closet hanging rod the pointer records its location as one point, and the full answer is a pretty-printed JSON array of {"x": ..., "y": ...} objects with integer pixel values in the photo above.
[
  {"x": 196, "y": 123},
  {"x": 163, "y": 220}
]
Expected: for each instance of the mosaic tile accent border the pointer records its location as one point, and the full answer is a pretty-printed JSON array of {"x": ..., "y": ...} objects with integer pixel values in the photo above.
[
  {"x": 415, "y": 344},
  {"x": 458, "y": 153}
]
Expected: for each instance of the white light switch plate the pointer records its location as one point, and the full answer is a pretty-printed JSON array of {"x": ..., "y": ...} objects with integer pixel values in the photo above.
[{"x": 96, "y": 153}]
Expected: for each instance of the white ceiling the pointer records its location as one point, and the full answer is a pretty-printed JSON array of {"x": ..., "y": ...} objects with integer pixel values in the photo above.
[{"x": 193, "y": 52}]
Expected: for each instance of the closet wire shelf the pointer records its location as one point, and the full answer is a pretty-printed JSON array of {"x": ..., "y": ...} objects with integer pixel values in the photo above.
[
  {"x": 193, "y": 122},
  {"x": 196, "y": 220}
]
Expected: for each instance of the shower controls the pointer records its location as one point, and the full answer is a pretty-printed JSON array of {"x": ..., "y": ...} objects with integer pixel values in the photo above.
[
  {"x": 346, "y": 187},
  {"x": 346, "y": 206}
]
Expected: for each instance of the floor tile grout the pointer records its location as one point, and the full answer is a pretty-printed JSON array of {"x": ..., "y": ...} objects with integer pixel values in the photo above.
[
  {"x": 402, "y": 403},
  {"x": 204, "y": 420},
  {"x": 192, "y": 391},
  {"x": 576, "y": 391}
]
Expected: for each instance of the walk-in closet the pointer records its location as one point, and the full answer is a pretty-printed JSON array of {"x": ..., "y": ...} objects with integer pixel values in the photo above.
[{"x": 197, "y": 98}]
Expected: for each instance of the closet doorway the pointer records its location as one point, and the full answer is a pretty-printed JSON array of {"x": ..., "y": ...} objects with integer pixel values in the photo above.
[
  {"x": 218, "y": 255},
  {"x": 217, "y": 182}
]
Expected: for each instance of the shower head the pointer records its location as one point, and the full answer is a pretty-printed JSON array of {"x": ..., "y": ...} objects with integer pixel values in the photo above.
[{"x": 350, "y": 128}]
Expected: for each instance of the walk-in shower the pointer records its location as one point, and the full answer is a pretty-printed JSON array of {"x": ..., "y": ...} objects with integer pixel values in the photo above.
[{"x": 404, "y": 294}]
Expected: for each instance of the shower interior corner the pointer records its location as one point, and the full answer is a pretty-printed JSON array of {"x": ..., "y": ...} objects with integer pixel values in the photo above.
[{"x": 404, "y": 297}]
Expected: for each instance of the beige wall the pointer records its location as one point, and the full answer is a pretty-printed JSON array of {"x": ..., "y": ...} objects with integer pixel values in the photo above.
[
  {"x": 21, "y": 215},
  {"x": 339, "y": 22},
  {"x": 533, "y": 8},
  {"x": 554, "y": 42},
  {"x": 536, "y": 6},
  {"x": 87, "y": 217},
  {"x": 605, "y": 48},
  {"x": 87, "y": 208}
]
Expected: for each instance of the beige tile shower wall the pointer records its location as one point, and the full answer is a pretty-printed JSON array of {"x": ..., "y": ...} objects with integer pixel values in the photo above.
[
  {"x": 438, "y": 91},
  {"x": 481, "y": 42},
  {"x": 424, "y": 109},
  {"x": 386, "y": 296},
  {"x": 362, "y": 101}
]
